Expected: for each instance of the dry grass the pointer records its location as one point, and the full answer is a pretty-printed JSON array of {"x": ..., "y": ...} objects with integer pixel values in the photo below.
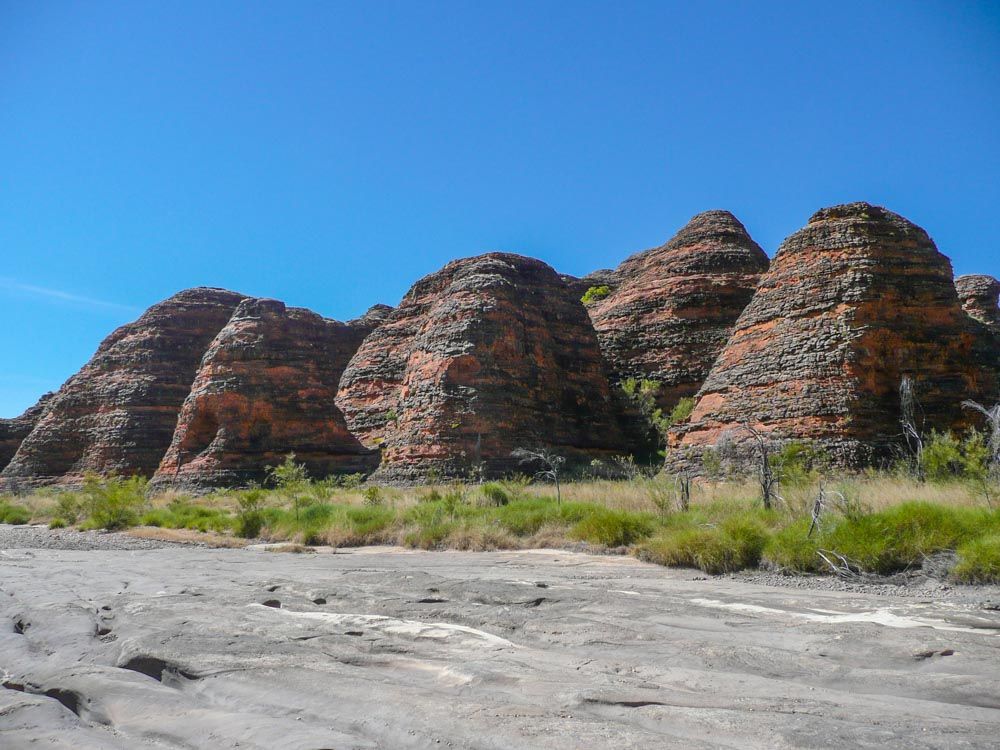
[{"x": 187, "y": 536}]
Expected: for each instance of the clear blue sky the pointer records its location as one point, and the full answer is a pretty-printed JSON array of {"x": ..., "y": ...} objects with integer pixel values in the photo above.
[{"x": 329, "y": 154}]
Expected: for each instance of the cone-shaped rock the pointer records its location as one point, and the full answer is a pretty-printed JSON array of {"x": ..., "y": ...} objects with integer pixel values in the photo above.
[
  {"x": 673, "y": 307},
  {"x": 489, "y": 354},
  {"x": 118, "y": 413},
  {"x": 266, "y": 388},
  {"x": 852, "y": 303},
  {"x": 14, "y": 431}
]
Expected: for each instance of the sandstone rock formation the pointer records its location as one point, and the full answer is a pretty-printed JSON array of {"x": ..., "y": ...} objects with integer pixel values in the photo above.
[
  {"x": 266, "y": 388},
  {"x": 118, "y": 413},
  {"x": 852, "y": 303},
  {"x": 980, "y": 296},
  {"x": 14, "y": 431},
  {"x": 487, "y": 355},
  {"x": 673, "y": 307}
]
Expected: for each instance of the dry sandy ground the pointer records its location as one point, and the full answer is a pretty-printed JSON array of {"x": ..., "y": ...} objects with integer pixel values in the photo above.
[{"x": 186, "y": 647}]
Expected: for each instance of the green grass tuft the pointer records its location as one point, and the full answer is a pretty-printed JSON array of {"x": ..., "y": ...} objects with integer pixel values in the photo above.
[
  {"x": 735, "y": 544},
  {"x": 979, "y": 561}
]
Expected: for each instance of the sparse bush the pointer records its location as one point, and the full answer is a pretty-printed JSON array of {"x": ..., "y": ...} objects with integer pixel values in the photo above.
[
  {"x": 291, "y": 479},
  {"x": 373, "y": 496},
  {"x": 595, "y": 294},
  {"x": 249, "y": 518},
  {"x": 113, "y": 503},
  {"x": 795, "y": 464},
  {"x": 350, "y": 481},
  {"x": 68, "y": 508}
]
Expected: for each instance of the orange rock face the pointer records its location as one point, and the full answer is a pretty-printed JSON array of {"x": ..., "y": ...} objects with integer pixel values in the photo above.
[
  {"x": 266, "y": 388},
  {"x": 119, "y": 412},
  {"x": 673, "y": 307},
  {"x": 489, "y": 354},
  {"x": 852, "y": 303}
]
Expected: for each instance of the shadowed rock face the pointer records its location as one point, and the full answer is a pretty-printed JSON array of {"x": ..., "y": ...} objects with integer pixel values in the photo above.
[
  {"x": 673, "y": 307},
  {"x": 14, "y": 431},
  {"x": 266, "y": 388},
  {"x": 853, "y": 302},
  {"x": 487, "y": 355},
  {"x": 119, "y": 412}
]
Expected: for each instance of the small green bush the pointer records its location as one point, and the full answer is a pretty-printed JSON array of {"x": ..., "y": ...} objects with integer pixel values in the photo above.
[
  {"x": 57, "y": 523},
  {"x": 112, "y": 503},
  {"x": 249, "y": 518},
  {"x": 68, "y": 508},
  {"x": 595, "y": 293},
  {"x": 979, "y": 561},
  {"x": 373, "y": 496}
]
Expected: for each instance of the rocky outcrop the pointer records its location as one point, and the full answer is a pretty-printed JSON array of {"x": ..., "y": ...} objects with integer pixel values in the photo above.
[
  {"x": 487, "y": 355},
  {"x": 118, "y": 413},
  {"x": 14, "y": 431},
  {"x": 266, "y": 388},
  {"x": 673, "y": 307},
  {"x": 853, "y": 303},
  {"x": 980, "y": 296}
]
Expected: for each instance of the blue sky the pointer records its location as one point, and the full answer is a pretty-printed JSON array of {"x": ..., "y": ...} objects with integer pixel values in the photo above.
[{"x": 329, "y": 154}]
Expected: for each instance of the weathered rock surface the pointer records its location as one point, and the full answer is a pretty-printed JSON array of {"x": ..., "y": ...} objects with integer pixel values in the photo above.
[
  {"x": 980, "y": 296},
  {"x": 119, "y": 412},
  {"x": 173, "y": 649},
  {"x": 14, "y": 431},
  {"x": 266, "y": 388},
  {"x": 487, "y": 355},
  {"x": 673, "y": 307},
  {"x": 852, "y": 303}
]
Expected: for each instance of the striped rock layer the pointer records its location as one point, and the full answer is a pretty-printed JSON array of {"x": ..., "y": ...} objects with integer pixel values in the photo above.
[
  {"x": 673, "y": 307},
  {"x": 118, "y": 413},
  {"x": 854, "y": 302},
  {"x": 487, "y": 355},
  {"x": 266, "y": 388}
]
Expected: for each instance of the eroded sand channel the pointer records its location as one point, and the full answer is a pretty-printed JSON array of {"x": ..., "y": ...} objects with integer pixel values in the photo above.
[{"x": 196, "y": 648}]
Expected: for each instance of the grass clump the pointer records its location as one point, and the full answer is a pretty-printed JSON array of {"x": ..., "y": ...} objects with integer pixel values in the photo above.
[
  {"x": 979, "y": 561},
  {"x": 182, "y": 514},
  {"x": 793, "y": 549},
  {"x": 735, "y": 544},
  {"x": 898, "y": 538},
  {"x": 15, "y": 515},
  {"x": 612, "y": 528}
]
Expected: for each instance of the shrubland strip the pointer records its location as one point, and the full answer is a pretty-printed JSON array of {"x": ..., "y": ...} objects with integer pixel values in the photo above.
[{"x": 870, "y": 523}]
